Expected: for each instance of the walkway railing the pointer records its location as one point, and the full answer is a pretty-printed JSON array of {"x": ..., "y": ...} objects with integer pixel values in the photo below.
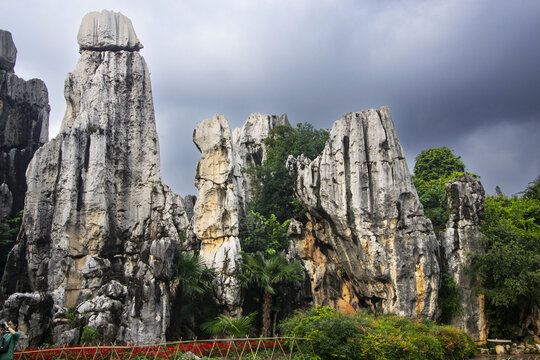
[{"x": 245, "y": 348}]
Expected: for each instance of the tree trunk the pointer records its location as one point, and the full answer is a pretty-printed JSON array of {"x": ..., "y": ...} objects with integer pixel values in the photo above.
[{"x": 266, "y": 308}]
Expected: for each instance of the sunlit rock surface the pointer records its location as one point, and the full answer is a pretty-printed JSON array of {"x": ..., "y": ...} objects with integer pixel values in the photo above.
[
  {"x": 369, "y": 236},
  {"x": 223, "y": 193},
  {"x": 101, "y": 230}
]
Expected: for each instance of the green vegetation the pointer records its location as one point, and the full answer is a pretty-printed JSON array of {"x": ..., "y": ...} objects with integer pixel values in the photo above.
[
  {"x": 509, "y": 270},
  {"x": 433, "y": 169},
  {"x": 363, "y": 336},
  {"x": 231, "y": 326},
  {"x": 271, "y": 186},
  {"x": 264, "y": 234},
  {"x": 194, "y": 302},
  {"x": 9, "y": 229},
  {"x": 266, "y": 274},
  {"x": 90, "y": 336},
  {"x": 448, "y": 301}
]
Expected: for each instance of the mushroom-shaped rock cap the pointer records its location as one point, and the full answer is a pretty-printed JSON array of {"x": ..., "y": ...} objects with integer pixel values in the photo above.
[
  {"x": 8, "y": 51},
  {"x": 107, "y": 30}
]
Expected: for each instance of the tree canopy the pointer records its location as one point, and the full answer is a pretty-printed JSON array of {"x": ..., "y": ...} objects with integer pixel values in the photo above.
[
  {"x": 509, "y": 270},
  {"x": 271, "y": 190},
  {"x": 437, "y": 163}
]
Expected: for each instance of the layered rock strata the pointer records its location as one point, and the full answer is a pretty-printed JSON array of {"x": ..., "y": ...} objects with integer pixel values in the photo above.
[
  {"x": 465, "y": 197},
  {"x": 366, "y": 220},
  {"x": 223, "y": 194},
  {"x": 101, "y": 230},
  {"x": 24, "y": 127}
]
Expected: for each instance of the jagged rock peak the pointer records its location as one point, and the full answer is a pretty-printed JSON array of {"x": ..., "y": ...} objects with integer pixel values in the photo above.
[
  {"x": 364, "y": 208},
  {"x": 107, "y": 30},
  {"x": 465, "y": 197},
  {"x": 8, "y": 51}
]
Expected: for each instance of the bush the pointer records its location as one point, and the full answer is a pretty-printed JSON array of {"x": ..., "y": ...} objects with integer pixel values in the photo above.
[
  {"x": 364, "y": 336},
  {"x": 90, "y": 336}
]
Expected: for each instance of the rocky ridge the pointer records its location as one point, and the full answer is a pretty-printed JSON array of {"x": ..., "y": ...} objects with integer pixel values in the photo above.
[
  {"x": 24, "y": 127},
  {"x": 101, "y": 229}
]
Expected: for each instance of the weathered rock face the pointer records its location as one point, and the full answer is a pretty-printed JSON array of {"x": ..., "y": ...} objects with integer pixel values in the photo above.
[
  {"x": 367, "y": 220},
  {"x": 24, "y": 127},
  {"x": 223, "y": 193},
  {"x": 100, "y": 229},
  {"x": 107, "y": 30},
  {"x": 8, "y": 51},
  {"x": 462, "y": 235}
]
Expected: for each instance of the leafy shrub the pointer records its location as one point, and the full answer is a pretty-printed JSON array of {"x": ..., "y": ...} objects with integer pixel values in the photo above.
[
  {"x": 90, "y": 336},
  {"x": 363, "y": 336}
]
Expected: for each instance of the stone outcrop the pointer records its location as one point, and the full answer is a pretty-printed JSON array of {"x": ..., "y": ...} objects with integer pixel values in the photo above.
[
  {"x": 223, "y": 193},
  {"x": 366, "y": 221},
  {"x": 107, "y": 30},
  {"x": 100, "y": 229},
  {"x": 465, "y": 197},
  {"x": 8, "y": 51},
  {"x": 24, "y": 127}
]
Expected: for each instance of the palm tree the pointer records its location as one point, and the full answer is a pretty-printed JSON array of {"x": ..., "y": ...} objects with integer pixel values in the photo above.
[
  {"x": 224, "y": 324},
  {"x": 266, "y": 274},
  {"x": 193, "y": 298}
]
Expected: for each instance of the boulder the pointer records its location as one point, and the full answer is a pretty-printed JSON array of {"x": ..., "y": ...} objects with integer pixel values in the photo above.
[
  {"x": 107, "y": 30},
  {"x": 366, "y": 225}
]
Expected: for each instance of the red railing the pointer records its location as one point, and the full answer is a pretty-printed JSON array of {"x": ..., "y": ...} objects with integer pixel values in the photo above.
[{"x": 246, "y": 348}]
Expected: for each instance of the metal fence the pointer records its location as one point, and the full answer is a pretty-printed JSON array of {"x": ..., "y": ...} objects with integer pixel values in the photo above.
[{"x": 272, "y": 348}]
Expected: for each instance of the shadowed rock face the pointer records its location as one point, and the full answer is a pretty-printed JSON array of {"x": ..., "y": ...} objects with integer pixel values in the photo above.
[
  {"x": 462, "y": 235},
  {"x": 100, "y": 230},
  {"x": 24, "y": 127},
  {"x": 367, "y": 224}
]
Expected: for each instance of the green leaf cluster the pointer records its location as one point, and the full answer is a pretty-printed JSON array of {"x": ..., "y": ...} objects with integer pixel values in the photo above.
[
  {"x": 237, "y": 327},
  {"x": 437, "y": 163},
  {"x": 448, "y": 301},
  {"x": 509, "y": 270},
  {"x": 271, "y": 187},
  {"x": 364, "y": 336},
  {"x": 264, "y": 234}
]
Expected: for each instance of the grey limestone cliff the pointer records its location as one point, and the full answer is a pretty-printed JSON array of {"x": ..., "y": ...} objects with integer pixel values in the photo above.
[
  {"x": 224, "y": 193},
  {"x": 465, "y": 197},
  {"x": 100, "y": 230},
  {"x": 367, "y": 243},
  {"x": 24, "y": 127}
]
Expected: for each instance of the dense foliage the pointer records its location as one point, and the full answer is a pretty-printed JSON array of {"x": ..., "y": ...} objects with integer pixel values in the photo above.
[
  {"x": 193, "y": 302},
  {"x": 264, "y": 234},
  {"x": 388, "y": 337},
  {"x": 433, "y": 169},
  {"x": 266, "y": 272},
  {"x": 437, "y": 163},
  {"x": 509, "y": 270},
  {"x": 9, "y": 229},
  {"x": 271, "y": 190}
]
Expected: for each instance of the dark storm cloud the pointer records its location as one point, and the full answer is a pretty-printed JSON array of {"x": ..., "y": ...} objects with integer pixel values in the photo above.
[{"x": 462, "y": 74}]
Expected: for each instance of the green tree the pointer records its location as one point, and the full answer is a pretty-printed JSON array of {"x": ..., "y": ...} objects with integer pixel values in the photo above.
[
  {"x": 533, "y": 190},
  {"x": 271, "y": 190},
  {"x": 437, "y": 163},
  {"x": 194, "y": 300},
  {"x": 262, "y": 234},
  {"x": 509, "y": 270},
  {"x": 228, "y": 325},
  {"x": 266, "y": 274}
]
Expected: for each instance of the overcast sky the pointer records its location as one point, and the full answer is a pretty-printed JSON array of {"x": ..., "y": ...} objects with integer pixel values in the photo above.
[{"x": 463, "y": 74}]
